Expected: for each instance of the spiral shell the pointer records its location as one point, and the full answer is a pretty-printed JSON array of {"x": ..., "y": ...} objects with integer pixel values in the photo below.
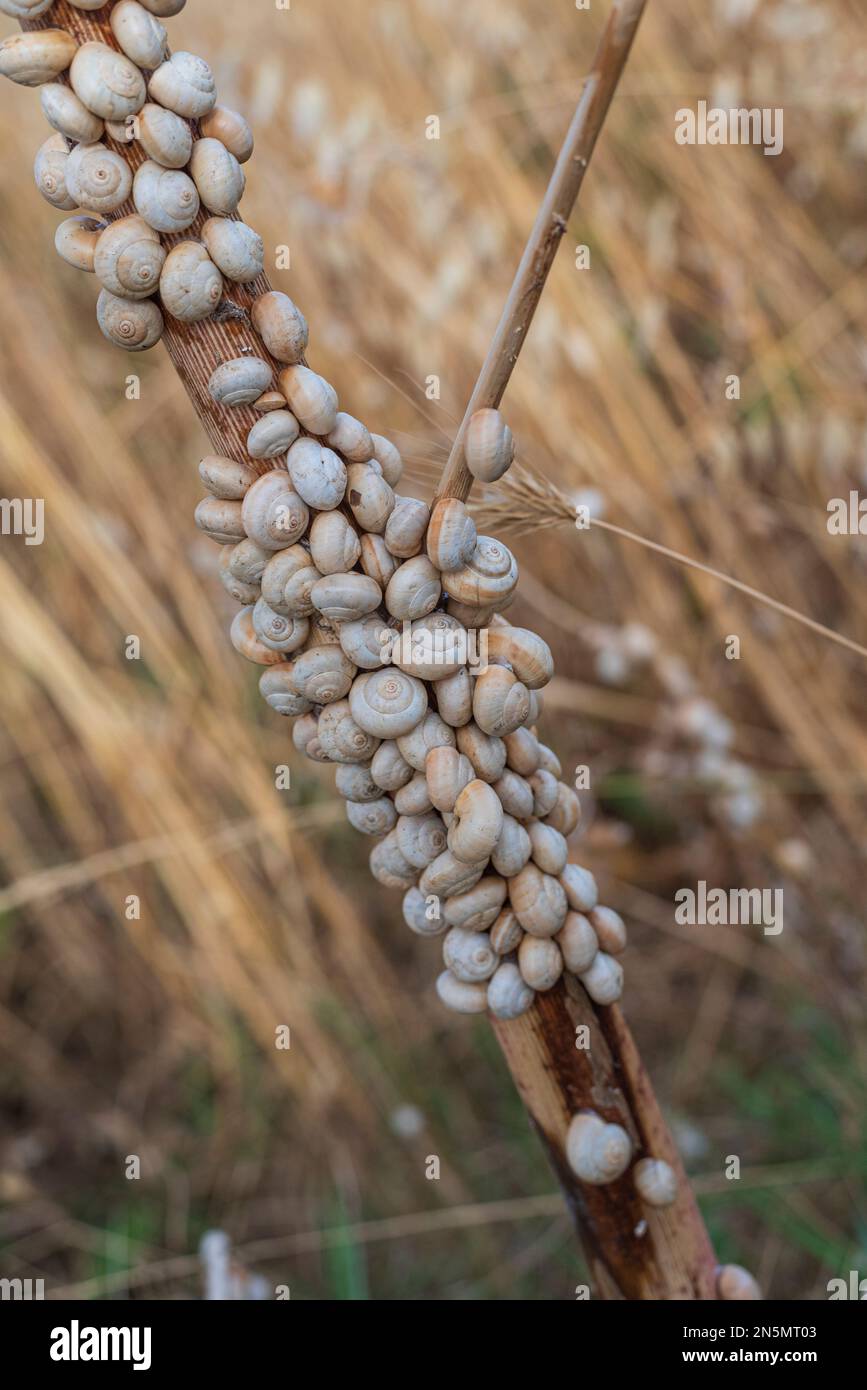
[
  {"x": 342, "y": 598},
  {"x": 317, "y": 474},
  {"x": 185, "y": 85},
  {"x": 76, "y": 239},
  {"x": 287, "y": 582},
  {"x": 275, "y": 689},
  {"x": 239, "y": 381},
  {"x": 578, "y": 943},
  {"x": 282, "y": 327},
  {"x": 220, "y": 519},
  {"x": 341, "y": 738},
  {"x": 274, "y": 516},
  {"x": 371, "y": 499},
  {"x": 235, "y": 248},
  {"x": 460, "y": 997},
  {"x": 272, "y": 435},
  {"x": 421, "y": 839},
  {"x": 388, "y": 459},
  {"x": 25, "y": 9},
  {"x": 388, "y": 865},
  {"x": 446, "y": 877},
  {"x": 49, "y": 173},
  {"x": 40, "y": 56},
  {"x": 366, "y": 640},
  {"x": 138, "y": 33},
  {"x": 128, "y": 323},
  {"x": 430, "y": 733},
  {"x": 310, "y": 397},
  {"x": 387, "y": 703},
  {"x": 129, "y": 258},
  {"x": 414, "y": 589},
  {"x": 477, "y": 908},
  {"x": 603, "y": 979},
  {"x": 98, "y": 178},
  {"x": 538, "y": 901},
  {"x": 488, "y": 577},
  {"x": 354, "y": 782},
  {"x": 334, "y": 543},
  {"x": 217, "y": 175},
  {"x": 488, "y": 446},
  {"x": 165, "y": 137},
  {"x": 165, "y": 198},
  {"x": 377, "y": 560},
  {"x": 655, "y": 1182},
  {"x": 433, "y": 649},
  {"x": 451, "y": 535},
  {"x": 278, "y": 632},
  {"x": 406, "y": 527},
  {"x": 371, "y": 817},
  {"x": 349, "y": 437},
  {"x": 468, "y": 955},
  {"x": 506, "y": 933},
  {"x": 322, "y": 674},
  {"x": 107, "y": 82},
  {"x": 454, "y": 698},
  {"x": 225, "y": 477},
  {"x": 421, "y": 916},
  {"x": 597, "y": 1152},
  {"x": 540, "y": 962},
  {"x": 243, "y": 638},
  {"x": 580, "y": 888},
  {"x": 65, "y": 113},
  {"x": 508, "y": 994},
  {"x": 191, "y": 286},
  {"x": 230, "y": 128}
]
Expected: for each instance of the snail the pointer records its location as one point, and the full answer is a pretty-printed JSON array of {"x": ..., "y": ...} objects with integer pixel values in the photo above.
[
  {"x": 454, "y": 698},
  {"x": 655, "y": 1182},
  {"x": 538, "y": 901},
  {"x": 220, "y": 519},
  {"x": 230, "y": 128},
  {"x": 287, "y": 582},
  {"x": 49, "y": 173},
  {"x": 343, "y": 597},
  {"x": 97, "y": 178},
  {"x": 371, "y": 499},
  {"x": 75, "y": 240},
  {"x": 66, "y": 114},
  {"x": 165, "y": 198},
  {"x": 377, "y": 560},
  {"x": 516, "y": 795},
  {"x": 354, "y": 782},
  {"x": 506, "y": 933},
  {"x": 386, "y": 703},
  {"x": 272, "y": 435},
  {"x": 165, "y": 137},
  {"x": 237, "y": 250},
  {"x": 349, "y": 436},
  {"x": 372, "y": 817},
  {"x": 185, "y": 85},
  {"x": 388, "y": 458},
  {"x": 138, "y": 33},
  {"x": 736, "y": 1284},
  {"x": 548, "y": 761},
  {"x": 311, "y": 397},
  {"x": 242, "y": 593},
  {"x": 451, "y": 535},
  {"x": 468, "y": 955},
  {"x": 269, "y": 400},
  {"x": 412, "y": 799},
  {"x": 603, "y": 979},
  {"x": 580, "y": 888},
  {"x": 447, "y": 877},
  {"x": 247, "y": 644},
  {"x": 129, "y": 258},
  {"x": 433, "y": 649},
  {"x": 478, "y": 822},
  {"x": 540, "y": 962},
  {"x": 322, "y": 674},
  {"x": 366, "y": 640},
  {"x": 470, "y": 614},
  {"x": 421, "y": 838},
  {"x": 225, "y": 477},
  {"x": 508, "y": 994},
  {"x": 388, "y": 865},
  {"x": 247, "y": 561},
  {"x": 276, "y": 630},
  {"x": 522, "y": 750},
  {"x": 305, "y": 737},
  {"x": 36, "y": 57},
  {"x": 500, "y": 701},
  {"x": 407, "y": 526},
  {"x": 413, "y": 590},
  {"x": 578, "y": 943},
  {"x": 274, "y": 515},
  {"x": 487, "y": 753},
  {"x": 549, "y": 851},
  {"x": 239, "y": 381},
  {"x": 275, "y": 690},
  {"x": 317, "y": 474},
  {"x": 25, "y": 9},
  {"x": 430, "y": 733},
  {"x": 489, "y": 576},
  {"x": 218, "y": 176},
  {"x": 461, "y": 998},
  {"x": 134, "y": 325},
  {"x": 512, "y": 849},
  {"x": 476, "y": 908},
  {"x": 334, "y": 543},
  {"x": 340, "y": 737},
  {"x": 283, "y": 329},
  {"x": 488, "y": 445},
  {"x": 164, "y": 8},
  {"x": 529, "y": 657},
  {"x": 545, "y": 791},
  {"x": 610, "y": 929},
  {"x": 107, "y": 82},
  {"x": 388, "y": 768},
  {"x": 597, "y": 1152},
  {"x": 447, "y": 772},
  {"x": 418, "y": 915},
  {"x": 566, "y": 811}
]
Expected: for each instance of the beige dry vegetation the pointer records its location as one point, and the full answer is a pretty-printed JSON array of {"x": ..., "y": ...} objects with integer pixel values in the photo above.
[{"x": 156, "y": 777}]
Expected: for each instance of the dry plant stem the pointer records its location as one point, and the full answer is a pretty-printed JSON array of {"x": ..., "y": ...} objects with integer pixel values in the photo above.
[{"x": 549, "y": 227}]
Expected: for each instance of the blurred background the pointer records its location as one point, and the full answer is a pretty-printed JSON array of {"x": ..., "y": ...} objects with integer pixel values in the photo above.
[{"x": 156, "y": 1037}]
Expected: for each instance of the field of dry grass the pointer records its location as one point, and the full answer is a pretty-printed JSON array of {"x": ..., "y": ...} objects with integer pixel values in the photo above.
[{"x": 156, "y": 777}]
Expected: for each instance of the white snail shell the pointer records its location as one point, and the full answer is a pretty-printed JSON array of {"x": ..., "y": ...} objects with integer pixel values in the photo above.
[
  {"x": 165, "y": 137},
  {"x": 487, "y": 753},
  {"x": 388, "y": 458},
  {"x": 247, "y": 561},
  {"x": 529, "y": 657},
  {"x": 451, "y": 536},
  {"x": 220, "y": 519},
  {"x": 66, "y": 114},
  {"x": 224, "y": 477},
  {"x": 341, "y": 738},
  {"x": 217, "y": 175},
  {"x": 603, "y": 979},
  {"x": 372, "y": 817},
  {"x": 387, "y": 703},
  {"x": 311, "y": 397},
  {"x": 421, "y": 916},
  {"x": 413, "y": 799},
  {"x": 580, "y": 888},
  {"x": 344, "y": 597},
  {"x": 578, "y": 943},
  {"x": 512, "y": 849},
  {"x": 25, "y": 9},
  {"x": 407, "y": 526},
  {"x": 287, "y": 582},
  {"x": 447, "y": 877},
  {"x": 129, "y": 258},
  {"x": 421, "y": 838},
  {"x": 610, "y": 929},
  {"x": 447, "y": 772},
  {"x": 282, "y": 327},
  {"x": 122, "y": 132},
  {"x": 243, "y": 638},
  {"x": 461, "y": 998},
  {"x": 477, "y": 824},
  {"x": 377, "y": 560},
  {"x": 49, "y": 173},
  {"x": 354, "y": 782},
  {"x": 468, "y": 955},
  {"x": 239, "y": 381},
  {"x": 138, "y": 33},
  {"x": 546, "y": 790},
  {"x": 275, "y": 517},
  {"x": 107, "y": 82},
  {"x": 366, "y": 640},
  {"x": 322, "y": 674},
  {"x": 566, "y": 812},
  {"x": 236, "y": 249},
  {"x": 276, "y": 691},
  {"x": 538, "y": 901},
  {"x": 506, "y": 933},
  {"x": 269, "y": 400},
  {"x": 430, "y": 733},
  {"x": 276, "y": 630},
  {"x": 508, "y": 994},
  {"x": 184, "y": 84},
  {"x": 540, "y": 962},
  {"x": 230, "y": 128},
  {"x": 242, "y": 593},
  {"x": 371, "y": 499},
  {"x": 36, "y": 57},
  {"x": 476, "y": 908},
  {"x": 414, "y": 589},
  {"x": 516, "y": 795},
  {"x": 597, "y": 1152},
  {"x": 655, "y": 1182},
  {"x": 97, "y": 178},
  {"x": 128, "y": 323},
  {"x": 522, "y": 750},
  {"x": 549, "y": 849},
  {"x": 488, "y": 445},
  {"x": 334, "y": 543},
  {"x": 488, "y": 577},
  {"x": 501, "y": 703},
  {"x": 305, "y": 737},
  {"x": 388, "y": 768},
  {"x": 191, "y": 286},
  {"x": 165, "y": 198},
  {"x": 434, "y": 647},
  {"x": 317, "y": 474},
  {"x": 75, "y": 240},
  {"x": 454, "y": 698},
  {"x": 388, "y": 865},
  {"x": 272, "y": 435},
  {"x": 349, "y": 436}
]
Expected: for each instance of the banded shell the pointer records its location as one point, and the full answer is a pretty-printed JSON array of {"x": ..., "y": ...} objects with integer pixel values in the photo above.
[
  {"x": 451, "y": 535},
  {"x": 231, "y": 129},
  {"x": 243, "y": 638}
]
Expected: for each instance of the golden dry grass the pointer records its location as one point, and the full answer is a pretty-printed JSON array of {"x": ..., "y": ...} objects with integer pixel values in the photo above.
[{"x": 156, "y": 777}]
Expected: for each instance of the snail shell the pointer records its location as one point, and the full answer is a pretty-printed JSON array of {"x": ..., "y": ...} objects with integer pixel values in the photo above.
[
  {"x": 454, "y": 697},
  {"x": 447, "y": 877},
  {"x": 344, "y": 597},
  {"x": 107, "y": 82},
  {"x": 387, "y": 703},
  {"x": 65, "y": 113},
  {"x": 25, "y": 9},
  {"x": 49, "y": 172},
  {"x": 522, "y": 750},
  {"x": 272, "y": 435},
  {"x": 433, "y": 648},
  {"x": 508, "y": 994},
  {"x": 138, "y": 33},
  {"x": 371, "y": 499},
  {"x": 512, "y": 849},
  {"x": 459, "y": 997},
  {"x": 470, "y": 615},
  {"x": 269, "y": 400},
  {"x": 311, "y": 397},
  {"x": 529, "y": 657},
  {"x": 282, "y": 327},
  {"x": 488, "y": 577},
  {"x": 478, "y": 821},
  {"x": 406, "y": 527},
  {"x": 122, "y": 132},
  {"x": 501, "y": 703},
  {"x": 349, "y": 437},
  {"x": 341, "y": 738},
  {"x": 515, "y": 794},
  {"x": 488, "y": 446},
  {"x": 655, "y": 1182},
  {"x": 165, "y": 198},
  {"x": 165, "y": 137},
  {"x": 413, "y": 590},
  {"x": 538, "y": 901},
  {"x": 451, "y": 536},
  {"x": 388, "y": 865},
  {"x": 220, "y": 519},
  {"x": 597, "y": 1152},
  {"x": 354, "y": 782},
  {"x": 287, "y": 582},
  {"x": 421, "y": 838},
  {"x": 413, "y": 799},
  {"x": 245, "y": 641},
  {"x": 548, "y": 761},
  {"x": 430, "y": 733},
  {"x": 129, "y": 258},
  {"x": 372, "y": 817},
  {"x": 239, "y": 381},
  {"x": 36, "y": 57},
  {"x": 389, "y": 769},
  {"x": 545, "y": 792},
  {"x": 87, "y": 4},
  {"x": 274, "y": 515},
  {"x": 580, "y": 888},
  {"x": 388, "y": 458},
  {"x": 75, "y": 240},
  {"x": 377, "y": 560},
  {"x": 305, "y": 737},
  {"x": 274, "y": 687},
  {"x": 506, "y": 933},
  {"x": 97, "y": 178},
  {"x": 603, "y": 979},
  {"x": 610, "y": 929},
  {"x": 134, "y": 325},
  {"x": 736, "y": 1284},
  {"x": 550, "y": 851},
  {"x": 468, "y": 955},
  {"x": 242, "y": 593},
  {"x": 566, "y": 812},
  {"x": 578, "y": 943},
  {"x": 540, "y": 962},
  {"x": 447, "y": 772},
  {"x": 217, "y": 175},
  {"x": 477, "y": 908},
  {"x": 278, "y": 632},
  {"x": 317, "y": 474},
  {"x": 247, "y": 561},
  {"x": 184, "y": 84},
  {"x": 322, "y": 674},
  {"x": 367, "y": 641},
  {"x": 164, "y": 8},
  {"x": 421, "y": 916},
  {"x": 334, "y": 543},
  {"x": 225, "y": 478},
  {"x": 230, "y": 128},
  {"x": 486, "y": 753}
]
